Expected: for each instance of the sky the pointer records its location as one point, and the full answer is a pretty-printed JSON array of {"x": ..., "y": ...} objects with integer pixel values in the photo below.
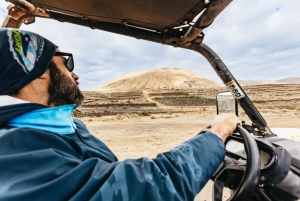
[{"x": 255, "y": 39}]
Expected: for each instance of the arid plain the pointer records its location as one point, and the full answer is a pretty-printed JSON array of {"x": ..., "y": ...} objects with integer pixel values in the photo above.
[{"x": 143, "y": 123}]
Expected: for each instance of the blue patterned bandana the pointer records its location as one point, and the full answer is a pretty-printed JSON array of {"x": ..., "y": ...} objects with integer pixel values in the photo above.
[{"x": 24, "y": 56}]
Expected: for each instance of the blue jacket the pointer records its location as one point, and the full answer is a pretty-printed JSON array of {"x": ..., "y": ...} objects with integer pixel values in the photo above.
[{"x": 38, "y": 163}]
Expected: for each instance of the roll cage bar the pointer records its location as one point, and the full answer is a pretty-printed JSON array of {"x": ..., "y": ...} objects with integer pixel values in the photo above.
[{"x": 188, "y": 36}]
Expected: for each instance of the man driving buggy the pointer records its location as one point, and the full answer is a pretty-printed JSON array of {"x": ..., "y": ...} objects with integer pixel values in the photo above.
[{"x": 45, "y": 154}]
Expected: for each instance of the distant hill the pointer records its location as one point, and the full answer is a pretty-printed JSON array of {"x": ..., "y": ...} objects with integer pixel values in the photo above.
[
  {"x": 289, "y": 80},
  {"x": 258, "y": 82},
  {"x": 159, "y": 79}
]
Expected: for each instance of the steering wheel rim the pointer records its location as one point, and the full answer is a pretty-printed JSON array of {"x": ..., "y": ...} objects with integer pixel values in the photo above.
[{"x": 251, "y": 175}]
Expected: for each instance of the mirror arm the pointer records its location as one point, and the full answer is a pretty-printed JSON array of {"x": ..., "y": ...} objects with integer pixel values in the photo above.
[{"x": 234, "y": 87}]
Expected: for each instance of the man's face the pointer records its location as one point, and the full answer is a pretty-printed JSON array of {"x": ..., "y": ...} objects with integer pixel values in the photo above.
[{"x": 63, "y": 88}]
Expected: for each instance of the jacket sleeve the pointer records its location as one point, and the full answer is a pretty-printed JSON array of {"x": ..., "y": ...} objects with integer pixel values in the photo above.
[{"x": 48, "y": 168}]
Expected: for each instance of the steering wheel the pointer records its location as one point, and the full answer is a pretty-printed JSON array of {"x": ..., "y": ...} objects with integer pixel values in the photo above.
[{"x": 251, "y": 170}]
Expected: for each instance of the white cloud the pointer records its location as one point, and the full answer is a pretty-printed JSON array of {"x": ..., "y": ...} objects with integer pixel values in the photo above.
[{"x": 255, "y": 39}]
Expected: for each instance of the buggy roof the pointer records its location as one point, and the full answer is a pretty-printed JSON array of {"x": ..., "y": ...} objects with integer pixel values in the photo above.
[
  {"x": 153, "y": 14},
  {"x": 171, "y": 22}
]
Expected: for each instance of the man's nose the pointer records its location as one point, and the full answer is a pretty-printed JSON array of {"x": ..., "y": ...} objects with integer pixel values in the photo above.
[{"x": 74, "y": 76}]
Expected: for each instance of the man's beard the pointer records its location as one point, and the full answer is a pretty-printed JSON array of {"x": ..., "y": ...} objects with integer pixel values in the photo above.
[{"x": 63, "y": 90}]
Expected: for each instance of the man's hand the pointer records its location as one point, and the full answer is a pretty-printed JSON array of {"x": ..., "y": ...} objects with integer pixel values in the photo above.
[{"x": 224, "y": 125}]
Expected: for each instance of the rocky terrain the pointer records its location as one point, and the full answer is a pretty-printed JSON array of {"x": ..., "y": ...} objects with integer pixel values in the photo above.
[
  {"x": 178, "y": 90},
  {"x": 281, "y": 97}
]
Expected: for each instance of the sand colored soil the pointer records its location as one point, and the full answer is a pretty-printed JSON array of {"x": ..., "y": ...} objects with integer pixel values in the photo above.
[{"x": 133, "y": 136}]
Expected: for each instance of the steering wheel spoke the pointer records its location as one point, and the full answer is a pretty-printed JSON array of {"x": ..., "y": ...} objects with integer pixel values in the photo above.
[
  {"x": 243, "y": 178},
  {"x": 228, "y": 164}
]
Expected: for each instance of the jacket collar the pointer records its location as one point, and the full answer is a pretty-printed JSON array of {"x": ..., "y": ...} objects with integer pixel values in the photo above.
[
  {"x": 54, "y": 119},
  {"x": 19, "y": 113}
]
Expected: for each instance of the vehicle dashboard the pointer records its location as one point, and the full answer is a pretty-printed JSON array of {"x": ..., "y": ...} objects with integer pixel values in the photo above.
[
  {"x": 274, "y": 159},
  {"x": 235, "y": 149},
  {"x": 280, "y": 172}
]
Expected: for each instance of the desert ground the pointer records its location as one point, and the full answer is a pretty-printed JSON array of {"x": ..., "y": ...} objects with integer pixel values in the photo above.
[{"x": 143, "y": 124}]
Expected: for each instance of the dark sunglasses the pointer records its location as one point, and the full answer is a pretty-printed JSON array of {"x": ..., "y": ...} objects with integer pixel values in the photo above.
[{"x": 69, "y": 59}]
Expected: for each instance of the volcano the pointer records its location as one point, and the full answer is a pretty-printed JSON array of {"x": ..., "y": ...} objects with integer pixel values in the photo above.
[{"x": 159, "y": 79}]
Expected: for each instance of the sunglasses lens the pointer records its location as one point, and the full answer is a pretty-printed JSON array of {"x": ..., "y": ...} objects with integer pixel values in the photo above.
[
  {"x": 70, "y": 64},
  {"x": 69, "y": 59}
]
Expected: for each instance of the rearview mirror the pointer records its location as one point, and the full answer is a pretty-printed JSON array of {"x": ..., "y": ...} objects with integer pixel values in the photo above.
[{"x": 226, "y": 103}]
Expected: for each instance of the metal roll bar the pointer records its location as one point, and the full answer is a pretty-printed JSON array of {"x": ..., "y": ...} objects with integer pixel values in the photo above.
[
  {"x": 22, "y": 12},
  {"x": 233, "y": 86},
  {"x": 207, "y": 17}
]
